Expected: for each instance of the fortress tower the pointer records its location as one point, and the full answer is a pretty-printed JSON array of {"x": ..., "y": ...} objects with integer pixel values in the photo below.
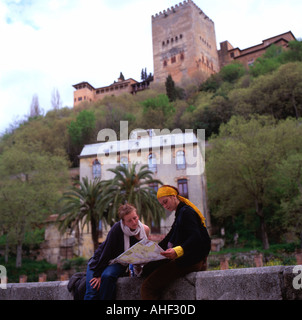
[{"x": 184, "y": 43}]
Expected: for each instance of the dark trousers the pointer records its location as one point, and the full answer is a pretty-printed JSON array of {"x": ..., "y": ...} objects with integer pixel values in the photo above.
[
  {"x": 108, "y": 283},
  {"x": 159, "y": 274}
]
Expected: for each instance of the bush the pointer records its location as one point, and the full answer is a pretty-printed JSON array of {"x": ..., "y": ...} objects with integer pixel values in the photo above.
[
  {"x": 232, "y": 72},
  {"x": 30, "y": 268},
  {"x": 78, "y": 264}
]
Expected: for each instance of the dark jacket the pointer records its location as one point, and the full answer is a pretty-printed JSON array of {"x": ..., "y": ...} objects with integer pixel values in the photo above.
[
  {"x": 111, "y": 248},
  {"x": 188, "y": 232}
]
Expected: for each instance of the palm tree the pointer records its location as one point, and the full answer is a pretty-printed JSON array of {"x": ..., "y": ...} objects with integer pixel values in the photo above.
[
  {"x": 130, "y": 186},
  {"x": 80, "y": 205}
]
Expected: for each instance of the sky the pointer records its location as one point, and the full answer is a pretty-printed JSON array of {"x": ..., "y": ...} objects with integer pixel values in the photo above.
[{"x": 48, "y": 45}]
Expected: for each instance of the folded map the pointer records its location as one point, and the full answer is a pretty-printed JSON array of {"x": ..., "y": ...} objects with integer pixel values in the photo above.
[{"x": 141, "y": 253}]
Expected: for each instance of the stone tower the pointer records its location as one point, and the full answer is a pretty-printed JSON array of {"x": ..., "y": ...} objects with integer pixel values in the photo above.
[{"x": 184, "y": 43}]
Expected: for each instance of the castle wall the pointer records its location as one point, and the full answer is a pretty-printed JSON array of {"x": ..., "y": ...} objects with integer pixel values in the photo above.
[
  {"x": 184, "y": 46},
  {"x": 115, "y": 89},
  {"x": 85, "y": 92},
  {"x": 184, "y": 43},
  {"x": 248, "y": 56}
]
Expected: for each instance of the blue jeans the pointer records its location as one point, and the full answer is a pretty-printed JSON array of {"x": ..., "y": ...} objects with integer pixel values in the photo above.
[{"x": 108, "y": 283}]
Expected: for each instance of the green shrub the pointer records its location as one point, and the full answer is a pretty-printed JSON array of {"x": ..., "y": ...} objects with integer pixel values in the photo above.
[
  {"x": 78, "y": 264},
  {"x": 30, "y": 268}
]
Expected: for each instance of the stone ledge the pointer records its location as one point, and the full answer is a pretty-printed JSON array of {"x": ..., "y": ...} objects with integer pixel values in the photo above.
[
  {"x": 266, "y": 283},
  {"x": 240, "y": 284},
  {"x": 52, "y": 290}
]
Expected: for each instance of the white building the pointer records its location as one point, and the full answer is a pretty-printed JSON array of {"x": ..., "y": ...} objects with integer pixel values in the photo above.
[{"x": 175, "y": 158}]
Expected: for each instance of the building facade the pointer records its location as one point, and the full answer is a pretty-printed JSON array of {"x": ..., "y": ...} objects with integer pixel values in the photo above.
[
  {"x": 184, "y": 43},
  {"x": 184, "y": 46},
  {"x": 84, "y": 91},
  {"x": 248, "y": 56},
  {"x": 175, "y": 159}
]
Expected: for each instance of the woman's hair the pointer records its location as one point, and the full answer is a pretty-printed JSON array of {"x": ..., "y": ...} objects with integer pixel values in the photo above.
[{"x": 125, "y": 209}]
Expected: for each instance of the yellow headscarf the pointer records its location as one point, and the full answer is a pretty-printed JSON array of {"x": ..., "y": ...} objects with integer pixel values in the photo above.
[{"x": 172, "y": 191}]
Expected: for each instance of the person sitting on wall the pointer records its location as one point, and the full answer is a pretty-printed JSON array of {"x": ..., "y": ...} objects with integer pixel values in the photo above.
[
  {"x": 186, "y": 246},
  {"x": 101, "y": 276}
]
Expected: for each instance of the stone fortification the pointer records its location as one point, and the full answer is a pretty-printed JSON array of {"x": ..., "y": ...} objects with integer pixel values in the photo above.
[
  {"x": 184, "y": 43},
  {"x": 175, "y": 8}
]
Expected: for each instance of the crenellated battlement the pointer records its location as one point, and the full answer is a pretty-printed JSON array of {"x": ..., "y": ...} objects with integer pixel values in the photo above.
[
  {"x": 184, "y": 43},
  {"x": 176, "y": 8}
]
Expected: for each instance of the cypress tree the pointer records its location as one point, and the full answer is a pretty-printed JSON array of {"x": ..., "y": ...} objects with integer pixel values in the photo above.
[{"x": 170, "y": 89}]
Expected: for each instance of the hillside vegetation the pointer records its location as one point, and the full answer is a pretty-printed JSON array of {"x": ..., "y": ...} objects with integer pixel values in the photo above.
[
  {"x": 261, "y": 197},
  {"x": 271, "y": 87}
]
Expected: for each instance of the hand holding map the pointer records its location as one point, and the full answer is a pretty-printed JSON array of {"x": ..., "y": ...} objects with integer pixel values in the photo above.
[{"x": 141, "y": 253}]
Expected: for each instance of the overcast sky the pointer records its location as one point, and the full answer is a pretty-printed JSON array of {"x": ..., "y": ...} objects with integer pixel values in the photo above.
[{"x": 53, "y": 44}]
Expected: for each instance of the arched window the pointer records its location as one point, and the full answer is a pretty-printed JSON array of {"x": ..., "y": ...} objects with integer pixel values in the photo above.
[
  {"x": 180, "y": 160},
  {"x": 124, "y": 162},
  {"x": 152, "y": 164},
  {"x": 96, "y": 169}
]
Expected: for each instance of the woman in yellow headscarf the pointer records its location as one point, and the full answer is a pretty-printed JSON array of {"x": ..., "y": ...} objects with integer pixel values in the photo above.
[{"x": 186, "y": 246}]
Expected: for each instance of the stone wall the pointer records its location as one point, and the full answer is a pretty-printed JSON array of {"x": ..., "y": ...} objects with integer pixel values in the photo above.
[
  {"x": 266, "y": 283},
  {"x": 184, "y": 43}
]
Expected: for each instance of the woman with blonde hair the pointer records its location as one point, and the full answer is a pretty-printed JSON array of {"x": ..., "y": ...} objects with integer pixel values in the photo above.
[
  {"x": 186, "y": 246},
  {"x": 101, "y": 275}
]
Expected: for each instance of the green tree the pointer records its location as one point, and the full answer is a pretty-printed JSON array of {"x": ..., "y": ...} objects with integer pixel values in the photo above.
[
  {"x": 29, "y": 190},
  {"x": 278, "y": 94},
  {"x": 80, "y": 207},
  {"x": 294, "y": 53},
  {"x": 288, "y": 190},
  {"x": 285, "y": 91},
  {"x": 232, "y": 72},
  {"x": 156, "y": 111},
  {"x": 174, "y": 92},
  {"x": 50, "y": 135},
  {"x": 144, "y": 74},
  {"x": 212, "y": 84},
  {"x": 81, "y": 132},
  {"x": 213, "y": 115},
  {"x": 131, "y": 186},
  {"x": 159, "y": 103},
  {"x": 122, "y": 77},
  {"x": 241, "y": 162},
  {"x": 170, "y": 89},
  {"x": 267, "y": 63}
]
